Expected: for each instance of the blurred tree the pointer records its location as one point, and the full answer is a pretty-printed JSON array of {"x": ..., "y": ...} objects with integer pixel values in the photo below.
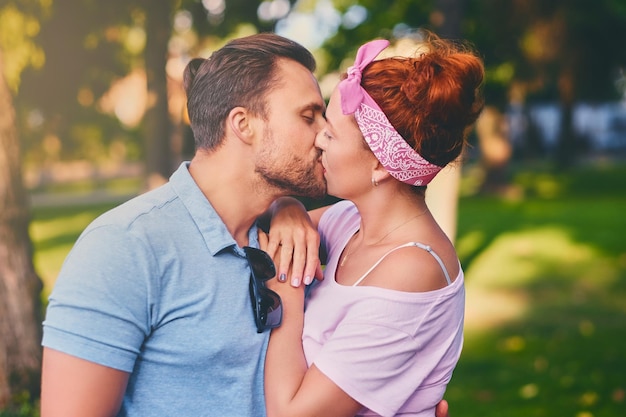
[
  {"x": 158, "y": 126},
  {"x": 19, "y": 284},
  {"x": 86, "y": 48},
  {"x": 443, "y": 192},
  {"x": 558, "y": 51}
]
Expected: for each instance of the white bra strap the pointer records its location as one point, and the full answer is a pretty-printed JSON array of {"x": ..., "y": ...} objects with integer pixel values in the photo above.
[{"x": 406, "y": 245}]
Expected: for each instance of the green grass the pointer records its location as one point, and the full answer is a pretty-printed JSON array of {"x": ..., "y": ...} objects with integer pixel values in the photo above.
[
  {"x": 546, "y": 293},
  {"x": 85, "y": 186},
  {"x": 546, "y": 299}
]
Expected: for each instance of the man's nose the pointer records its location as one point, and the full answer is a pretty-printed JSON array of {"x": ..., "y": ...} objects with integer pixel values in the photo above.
[{"x": 320, "y": 140}]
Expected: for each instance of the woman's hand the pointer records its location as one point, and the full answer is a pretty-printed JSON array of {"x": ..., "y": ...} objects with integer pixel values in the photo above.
[{"x": 293, "y": 242}]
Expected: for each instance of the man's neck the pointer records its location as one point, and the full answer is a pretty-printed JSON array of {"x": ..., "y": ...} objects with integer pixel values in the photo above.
[{"x": 227, "y": 181}]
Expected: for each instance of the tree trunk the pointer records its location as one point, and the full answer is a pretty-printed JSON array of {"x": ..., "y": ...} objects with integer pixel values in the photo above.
[
  {"x": 567, "y": 146},
  {"x": 495, "y": 149},
  {"x": 20, "y": 287},
  {"x": 443, "y": 193},
  {"x": 158, "y": 127}
]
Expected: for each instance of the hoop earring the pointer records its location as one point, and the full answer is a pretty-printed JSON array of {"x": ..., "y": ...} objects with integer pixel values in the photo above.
[{"x": 374, "y": 182}]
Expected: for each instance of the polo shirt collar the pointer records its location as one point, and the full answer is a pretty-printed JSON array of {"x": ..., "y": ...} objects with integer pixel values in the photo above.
[{"x": 209, "y": 223}]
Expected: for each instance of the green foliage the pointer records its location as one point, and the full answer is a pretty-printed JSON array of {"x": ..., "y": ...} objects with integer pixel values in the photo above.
[
  {"x": 18, "y": 29},
  {"x": 222, "y": 22},
  {"x": 548, "y": 41},
  {"x": 23, "y": 406},
  {"x": 382, "y": 19}
]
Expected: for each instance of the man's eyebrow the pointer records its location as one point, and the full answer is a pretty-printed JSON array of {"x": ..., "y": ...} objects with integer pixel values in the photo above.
[{"x": 314, "y": 107}]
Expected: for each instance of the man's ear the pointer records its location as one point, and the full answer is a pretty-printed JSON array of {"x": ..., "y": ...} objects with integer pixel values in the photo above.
[{"x": 239, "y": 122}]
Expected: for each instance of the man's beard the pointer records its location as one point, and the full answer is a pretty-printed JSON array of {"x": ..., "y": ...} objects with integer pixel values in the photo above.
[{"x": 296, "y": 177}]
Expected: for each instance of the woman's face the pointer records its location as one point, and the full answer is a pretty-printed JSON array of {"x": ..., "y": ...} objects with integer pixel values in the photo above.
[{"x": 346, "y": 159}]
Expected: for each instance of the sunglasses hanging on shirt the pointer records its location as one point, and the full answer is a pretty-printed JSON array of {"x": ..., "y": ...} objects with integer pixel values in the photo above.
[{"x": 266, "y": 304}]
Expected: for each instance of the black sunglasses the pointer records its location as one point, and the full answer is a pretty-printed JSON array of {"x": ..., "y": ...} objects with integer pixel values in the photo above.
[{"x": 266, "y": 304}]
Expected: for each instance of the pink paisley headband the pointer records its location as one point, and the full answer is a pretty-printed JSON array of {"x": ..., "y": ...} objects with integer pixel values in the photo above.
[{"x": 393, "y": 152}]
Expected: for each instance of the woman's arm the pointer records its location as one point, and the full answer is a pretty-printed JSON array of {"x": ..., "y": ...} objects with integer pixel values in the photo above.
[{"x": 290, "y": 388}]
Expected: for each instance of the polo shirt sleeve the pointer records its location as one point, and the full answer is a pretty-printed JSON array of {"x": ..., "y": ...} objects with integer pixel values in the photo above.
[{"x": 100, "y": 307}]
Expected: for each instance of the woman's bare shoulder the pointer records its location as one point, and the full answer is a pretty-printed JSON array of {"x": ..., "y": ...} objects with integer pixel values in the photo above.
[{"x": 413, "y": 269}]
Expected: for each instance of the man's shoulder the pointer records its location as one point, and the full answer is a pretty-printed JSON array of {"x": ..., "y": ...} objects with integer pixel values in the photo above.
[{"x": 143, "y": 207}]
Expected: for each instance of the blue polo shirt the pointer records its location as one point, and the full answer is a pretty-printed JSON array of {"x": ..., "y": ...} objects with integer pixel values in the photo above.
[{"x": 158, "y": 287}]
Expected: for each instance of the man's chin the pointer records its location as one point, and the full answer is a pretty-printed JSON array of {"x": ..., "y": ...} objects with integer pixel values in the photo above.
[
  {"x": 312, "y": 193},
  {"x": 309, "y": 185},
  {"x": 318, "y": 195}
]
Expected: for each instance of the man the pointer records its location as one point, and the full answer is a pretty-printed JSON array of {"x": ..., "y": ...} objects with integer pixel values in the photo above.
[{"x": 150, "y": 315}]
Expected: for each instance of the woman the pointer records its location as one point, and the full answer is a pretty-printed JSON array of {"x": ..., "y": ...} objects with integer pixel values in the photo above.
[{"x": 382, "y": 333}]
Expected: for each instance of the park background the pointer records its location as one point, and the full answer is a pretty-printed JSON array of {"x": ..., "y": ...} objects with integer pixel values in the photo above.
[{"x": 92, "y": 113}]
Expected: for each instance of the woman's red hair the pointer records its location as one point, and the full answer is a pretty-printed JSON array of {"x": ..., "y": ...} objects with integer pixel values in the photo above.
[{"x": 431, "y": 99}]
